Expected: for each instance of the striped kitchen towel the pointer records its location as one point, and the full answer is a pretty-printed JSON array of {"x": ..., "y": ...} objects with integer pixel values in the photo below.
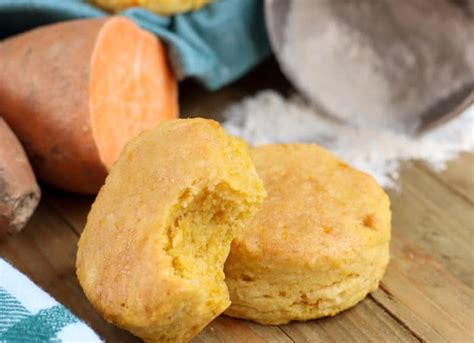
[{"x": 28, "y": 314}]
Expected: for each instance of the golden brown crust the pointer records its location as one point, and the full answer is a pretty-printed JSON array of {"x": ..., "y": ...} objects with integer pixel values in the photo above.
[
  {"x": 125, "y": 260},
  {"x": 324, "y": 227}
]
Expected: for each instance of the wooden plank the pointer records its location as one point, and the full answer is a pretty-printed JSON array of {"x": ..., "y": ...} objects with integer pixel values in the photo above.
[
  {"x": 425, "y": 296},
  {"x": 225, "y": 329},
  {"x": 45, "y": 251},
  {"x": 366, "y": 322},
  {"x": 437, "y": 220},
  {"x": 428, "y": 285},
  {"x": 73, "y": 208},
  {"x": 458, "y": 176}
]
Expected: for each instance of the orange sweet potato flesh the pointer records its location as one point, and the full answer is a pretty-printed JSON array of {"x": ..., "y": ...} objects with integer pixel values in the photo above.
[
  {"x": 76, "y": 92},
  {"x": 19, "y": 192}
]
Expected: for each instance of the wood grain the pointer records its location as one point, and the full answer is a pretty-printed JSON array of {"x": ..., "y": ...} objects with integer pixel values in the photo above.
[
  {"x": 428, "y": 214},
  {"x": 72, "y": 208},
  {"x": 366, "y": 322},
  {"x": 429, "y": 283},
  {"x": 425, "y": 289},
  {"x": 458, "y": 176},
  {"x": 225, "y": 329}
]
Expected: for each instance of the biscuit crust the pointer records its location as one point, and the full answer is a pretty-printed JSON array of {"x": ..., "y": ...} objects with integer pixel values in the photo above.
[
  {"x": 318, "y": 244},
  {"x": 151, "y": 256}
]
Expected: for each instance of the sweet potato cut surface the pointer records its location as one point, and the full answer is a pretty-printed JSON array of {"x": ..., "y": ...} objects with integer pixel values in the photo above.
[
  {"x": 76, "y": 92},
  {"x": 19, "y": 192},
  {"x": 146, "y": 87}
]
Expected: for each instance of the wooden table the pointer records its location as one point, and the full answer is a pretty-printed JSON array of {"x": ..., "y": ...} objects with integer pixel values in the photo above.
[{"x": 426, "y": 295}]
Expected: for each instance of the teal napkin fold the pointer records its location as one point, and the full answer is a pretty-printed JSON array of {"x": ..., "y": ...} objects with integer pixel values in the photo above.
[
  {"x": 28, "y": 314},
  {"x": 216, "y": 45}
]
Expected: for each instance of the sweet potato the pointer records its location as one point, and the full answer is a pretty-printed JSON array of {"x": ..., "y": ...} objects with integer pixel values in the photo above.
[
  {"x": 19, "y": 192},
  {"x": 75, "y": 92}
]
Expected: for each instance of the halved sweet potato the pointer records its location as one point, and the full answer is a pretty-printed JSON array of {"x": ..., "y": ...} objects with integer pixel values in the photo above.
[{"x": 75, "y": 92}]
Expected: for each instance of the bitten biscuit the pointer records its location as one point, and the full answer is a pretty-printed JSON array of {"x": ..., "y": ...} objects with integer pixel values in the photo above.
[
  {"x": 151, "y": 257},
  {"x": 317, "y": 245}
]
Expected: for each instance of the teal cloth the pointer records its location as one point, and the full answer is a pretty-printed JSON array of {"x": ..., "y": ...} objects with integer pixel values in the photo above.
[
  {"x": 216, "y": 45},
  {"x": 30, "y": 315}
]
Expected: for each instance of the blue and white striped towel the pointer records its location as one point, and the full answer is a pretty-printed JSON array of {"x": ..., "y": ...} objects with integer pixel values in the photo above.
[{"x": 28, "y": 314}]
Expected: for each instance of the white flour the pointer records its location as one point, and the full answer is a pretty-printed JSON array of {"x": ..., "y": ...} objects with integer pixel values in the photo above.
[
  {"x": 377, "y": 65},
  {"x": 270, "y": 118}
]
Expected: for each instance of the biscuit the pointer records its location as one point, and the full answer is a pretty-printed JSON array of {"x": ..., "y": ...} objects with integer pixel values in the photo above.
[
  {"x": 318, "y": 244},
  {"x": 151, "y": 256}
]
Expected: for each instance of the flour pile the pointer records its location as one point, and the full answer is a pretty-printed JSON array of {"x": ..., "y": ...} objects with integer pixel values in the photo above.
[
  {"x": 270, "y": 118},
  {"x": 377, "y": 66}
]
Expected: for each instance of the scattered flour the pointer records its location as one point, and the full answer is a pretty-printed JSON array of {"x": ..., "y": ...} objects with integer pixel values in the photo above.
[
  {"x": 270, "y": 118},
  {"x": 377, "y": 66}
]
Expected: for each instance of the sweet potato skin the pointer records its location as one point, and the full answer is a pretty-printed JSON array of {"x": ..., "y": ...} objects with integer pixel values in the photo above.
[
  {"x": 19, "y": 192},
  {"x": 44, "y": 99}
]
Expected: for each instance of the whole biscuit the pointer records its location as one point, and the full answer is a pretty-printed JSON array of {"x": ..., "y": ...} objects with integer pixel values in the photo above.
[
  {"x": 318, "y": 244},
  {"x": 151, "y": 256}
]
